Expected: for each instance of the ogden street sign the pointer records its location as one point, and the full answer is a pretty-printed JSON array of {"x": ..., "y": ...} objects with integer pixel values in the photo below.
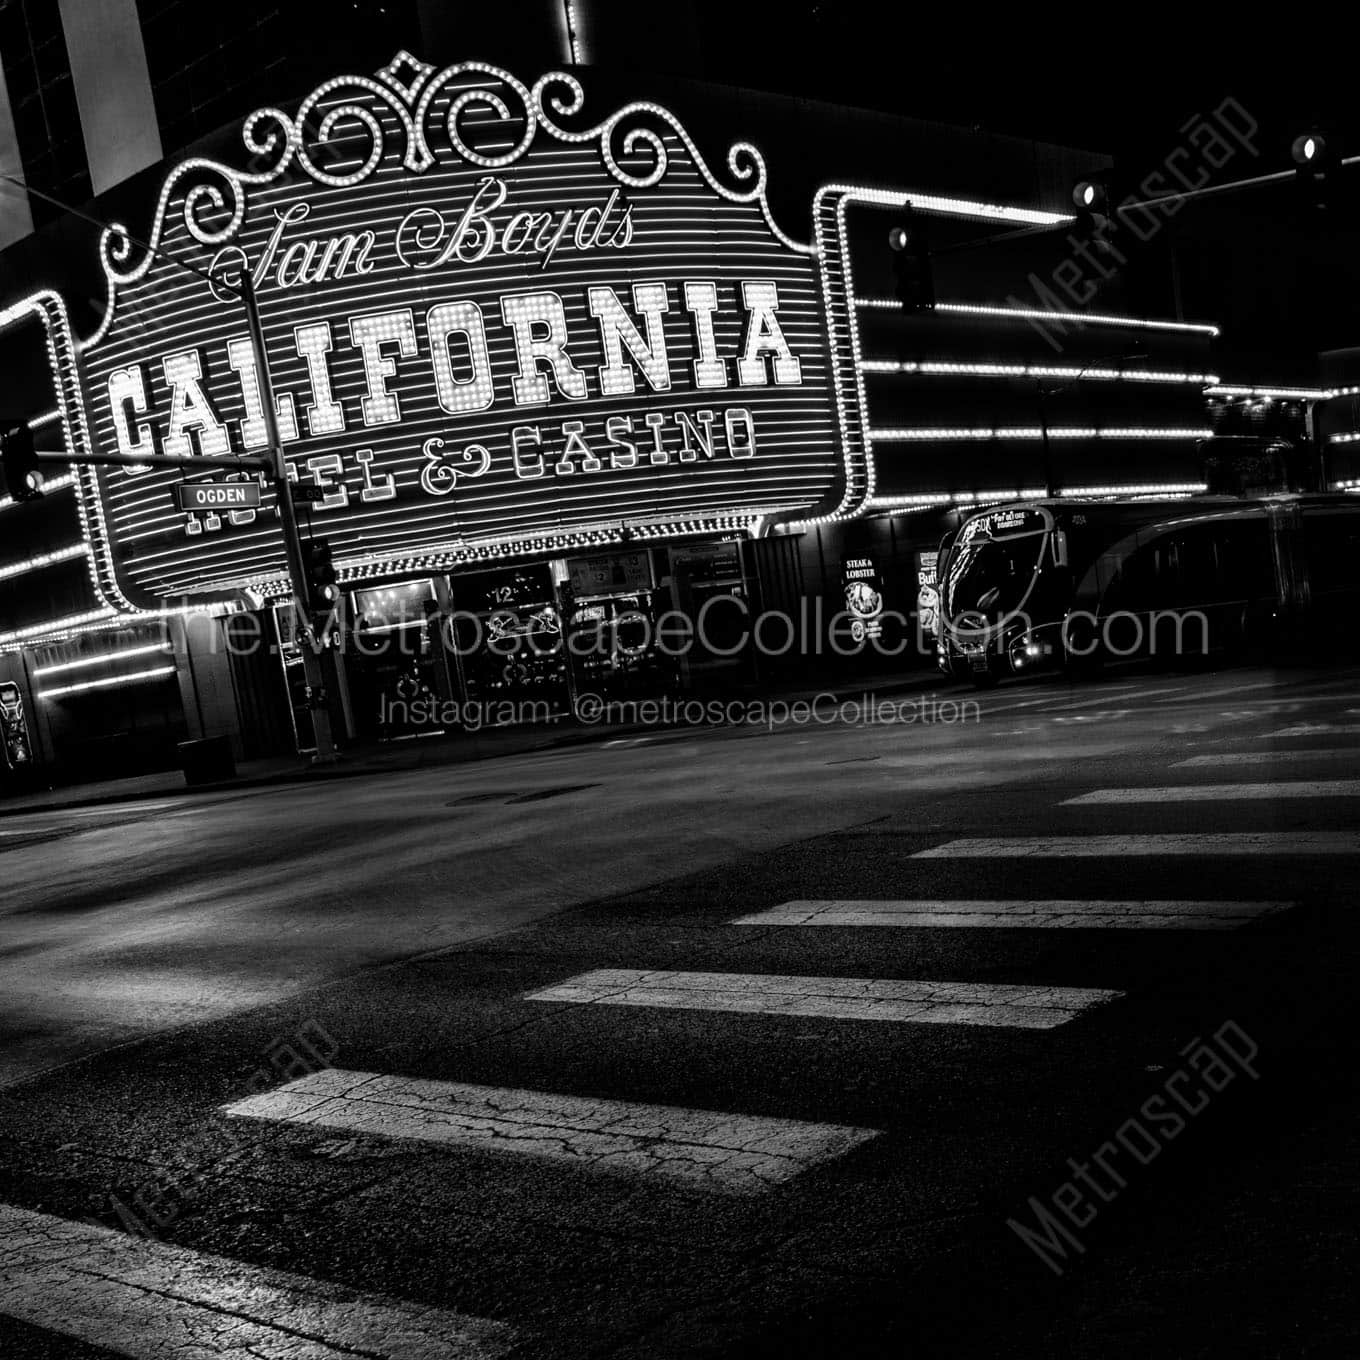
[{"x": 492, "y": 328}]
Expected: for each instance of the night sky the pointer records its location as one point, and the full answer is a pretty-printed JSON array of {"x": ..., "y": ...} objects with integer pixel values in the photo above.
[{"x": 1107, "y": 77}]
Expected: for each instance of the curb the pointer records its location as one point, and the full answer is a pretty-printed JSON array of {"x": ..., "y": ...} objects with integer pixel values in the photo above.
[{"x": 579, "y": 736}]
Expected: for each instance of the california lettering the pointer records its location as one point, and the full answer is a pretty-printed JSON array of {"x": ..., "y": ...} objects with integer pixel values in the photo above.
[{"x": 449, "y": 346}]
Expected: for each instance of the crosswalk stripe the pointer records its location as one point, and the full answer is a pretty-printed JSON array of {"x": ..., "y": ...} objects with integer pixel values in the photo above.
[
  {"x": 945, "y": 1003},
  {"x": 720, "y": 1151},
  {"x": 1015, "y": 915},
  {"x": 1266, "y": 758},
  {"x": 1222, "y": 793},
  {"x": 154, "y": 1301},
  {"x": 1191, "y": 843}
]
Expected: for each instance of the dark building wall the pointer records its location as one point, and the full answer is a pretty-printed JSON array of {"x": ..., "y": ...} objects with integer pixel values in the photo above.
[
  {"x": 210, "y": 65},
  {"x": 42, "y": 98}
]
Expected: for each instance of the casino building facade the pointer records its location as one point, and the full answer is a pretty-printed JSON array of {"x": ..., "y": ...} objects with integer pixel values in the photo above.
[{"x": 548, "y": 372}]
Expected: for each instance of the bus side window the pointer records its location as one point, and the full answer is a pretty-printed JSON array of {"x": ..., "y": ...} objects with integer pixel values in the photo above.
[
  {"x": 1199, "y": 579},
  {"x": 1246, "y": 570},
  {"x": 1165, "y": 584},
  {"x": 1331, "y": 550},
  {"x": 1140, "y": 581},
  {"x": 1151, "y": 578}
]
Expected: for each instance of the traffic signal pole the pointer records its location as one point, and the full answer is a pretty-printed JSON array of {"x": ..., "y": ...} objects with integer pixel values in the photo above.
[
  {"x": 292, "y": 539},
  {"x": 274, "y": 465}
]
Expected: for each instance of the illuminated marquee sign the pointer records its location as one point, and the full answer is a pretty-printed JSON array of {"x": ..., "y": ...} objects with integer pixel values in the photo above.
[{"x": 489, "y": 331}]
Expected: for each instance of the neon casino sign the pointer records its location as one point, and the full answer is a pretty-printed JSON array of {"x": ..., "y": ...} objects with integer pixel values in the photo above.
[{"x": 489, "y": 331}]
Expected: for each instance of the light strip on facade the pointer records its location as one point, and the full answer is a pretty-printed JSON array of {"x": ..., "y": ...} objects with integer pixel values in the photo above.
[
  {"x": 1272, "y": 393},
  {"x": 897, "y": 436},
  {"x": 934, "y": 368},
  {"x": 56, "y": 484},
  {"x": 158, "y": 648},
  {"x": 107, "y": 682},
  {"x": 98, "y": 620},
  {"x": 955, "y": 498},
  {"x": 1154, "y": 489},
  {"x": 43, "y": 560},
  {"x": 1348, "y": 437},
  {"x": 69, "y": 625},
  {"x": 574, "y": 49},
  {"x": 1059, "y": 319},
  {"x": 948, "y": 207},
  {"x": 1174, "y": 489}
]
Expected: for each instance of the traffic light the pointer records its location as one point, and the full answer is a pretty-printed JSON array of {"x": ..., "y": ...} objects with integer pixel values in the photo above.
[
  {"x": 323, "y": 588},
  {"x": 1094, "y": 220},
  {"x": 23, "y": 472},
  {"x": 1089, "y": 196},
  {"x": 1315, "y": 157},
  {"x": 914, "y": 278}
]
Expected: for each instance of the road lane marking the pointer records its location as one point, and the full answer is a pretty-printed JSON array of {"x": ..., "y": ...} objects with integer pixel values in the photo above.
[
  {"x": 133, "y": 809},
  {"x": 1193, "y": 843},
  {"x": 1266, "y": 757},
  {"x": 729, "y": 1152},
  {"x": 154, "y": 1301},
  {"x": 1110, "y": 701},
  {"x": 1027, "y": 703},
  {"x": 1221, "y": 793},
  {"x": 943, "y": 1003},
  {"x": 1103, "y": 715},
  {"x": 1317, "y": 730},
  {"x": 1058, "y": 703},
  {"x": 1015, "y": 915},
  {"x": 1198, "y": 695}
]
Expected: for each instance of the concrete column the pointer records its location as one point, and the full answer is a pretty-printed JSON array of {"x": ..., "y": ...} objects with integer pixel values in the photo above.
[
  {"x": 205, "y": 679},
  {"x": 113, "y": 88},
  {"x": 16, "y": 217}
]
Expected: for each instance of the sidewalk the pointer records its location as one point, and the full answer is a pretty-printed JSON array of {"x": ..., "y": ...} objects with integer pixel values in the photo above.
[{"x": 443, "y": 749}]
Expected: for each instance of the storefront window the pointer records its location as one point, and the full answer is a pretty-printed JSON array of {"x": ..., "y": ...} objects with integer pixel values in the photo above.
[
  {"x": 613, "y": 609},
  {"x": 507, "y": 636},
  {"x": 393, "y": 668}
]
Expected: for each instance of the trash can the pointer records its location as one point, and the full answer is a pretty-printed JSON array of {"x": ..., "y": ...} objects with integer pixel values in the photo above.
[{"x": 209, "y": 761}]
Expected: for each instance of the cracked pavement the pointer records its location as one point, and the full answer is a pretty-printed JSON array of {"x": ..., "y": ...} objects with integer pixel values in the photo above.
[{"x": 555, "y": 1171}]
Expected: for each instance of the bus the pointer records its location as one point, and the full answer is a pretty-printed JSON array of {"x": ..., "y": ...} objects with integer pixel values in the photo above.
[{"x": 1073, "y": 583}]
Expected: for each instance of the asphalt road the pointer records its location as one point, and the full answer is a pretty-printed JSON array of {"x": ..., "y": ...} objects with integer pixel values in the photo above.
[{"x": 162, "y": 961}]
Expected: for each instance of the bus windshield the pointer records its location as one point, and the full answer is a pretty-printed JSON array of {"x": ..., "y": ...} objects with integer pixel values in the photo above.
[{"x": 990, "y": 570}]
